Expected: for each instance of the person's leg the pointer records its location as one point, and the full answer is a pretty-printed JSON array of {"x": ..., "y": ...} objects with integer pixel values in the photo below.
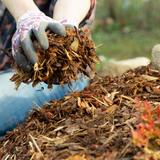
[{"x": 14, "y": 105}]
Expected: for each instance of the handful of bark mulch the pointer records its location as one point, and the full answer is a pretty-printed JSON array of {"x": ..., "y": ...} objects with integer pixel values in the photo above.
[
  {"x": 66, "y": 57},
  {"x": 92, "y": 124}
]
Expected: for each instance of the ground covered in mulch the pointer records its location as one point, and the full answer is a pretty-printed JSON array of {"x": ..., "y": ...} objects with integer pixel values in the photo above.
[{"x": 94, "y": 123}]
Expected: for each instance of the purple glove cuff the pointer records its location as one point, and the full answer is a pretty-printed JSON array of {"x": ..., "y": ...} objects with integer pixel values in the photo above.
[{"x": 69, "y": 21}]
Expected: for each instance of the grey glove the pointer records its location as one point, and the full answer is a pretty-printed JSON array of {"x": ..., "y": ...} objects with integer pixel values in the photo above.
[{"x": 33, "y": 22}]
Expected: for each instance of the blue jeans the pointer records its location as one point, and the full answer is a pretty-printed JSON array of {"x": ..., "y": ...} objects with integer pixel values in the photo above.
[{"x": 14, "y": 105}]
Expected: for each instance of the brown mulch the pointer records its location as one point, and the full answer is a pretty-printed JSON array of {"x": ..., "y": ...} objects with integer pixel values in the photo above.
[
  {"x": 66, "y": 58},
  {"x": 94, "y": 123}
]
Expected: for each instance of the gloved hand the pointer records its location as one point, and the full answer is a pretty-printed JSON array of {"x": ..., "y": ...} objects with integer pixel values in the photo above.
[
  {"x": 33, "y": 22},
  {"x": 69, "y": 23}
]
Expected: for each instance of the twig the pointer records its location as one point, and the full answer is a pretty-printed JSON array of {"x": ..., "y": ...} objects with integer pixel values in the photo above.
[
  {"x": 124, "y": 149},
  {"x": 110, "y": 138},
  {"x": 34, "y": 142},
  {"x": 100, "y": 101},
  {"x": 7, "y": 157}
]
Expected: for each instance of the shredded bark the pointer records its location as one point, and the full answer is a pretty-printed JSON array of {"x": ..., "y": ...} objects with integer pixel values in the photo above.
[
  {"x": 66, "y": 58},
  {"x": 94, "y": 123}
]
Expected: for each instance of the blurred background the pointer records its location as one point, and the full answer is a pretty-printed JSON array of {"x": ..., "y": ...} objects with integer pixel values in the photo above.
[{"x": 125, "y": 29}]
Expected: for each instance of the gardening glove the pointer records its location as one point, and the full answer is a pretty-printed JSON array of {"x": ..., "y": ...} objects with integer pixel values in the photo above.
[
  {"x": 69, "y": 23},
  {"x": 33, "y": 22},
  {"x": 155, "y": 56}
]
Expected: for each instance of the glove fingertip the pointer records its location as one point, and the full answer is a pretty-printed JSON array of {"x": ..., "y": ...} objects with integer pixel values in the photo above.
[
  {"x": 57, "y": 28},
  {"x": 44, "y": 44},
  {"x": 29, "y": 50},
  {"x": 23, "y": 62},
  {"x": 62, "y": 31},
  {"x": 70, "y": 26},
  {"x": 41, "y": 36}
]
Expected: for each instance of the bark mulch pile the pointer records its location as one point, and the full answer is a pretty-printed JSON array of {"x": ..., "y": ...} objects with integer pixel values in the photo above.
[
  {"x": 66, "y": 58},
  {"x": 94, "y": 123}
]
